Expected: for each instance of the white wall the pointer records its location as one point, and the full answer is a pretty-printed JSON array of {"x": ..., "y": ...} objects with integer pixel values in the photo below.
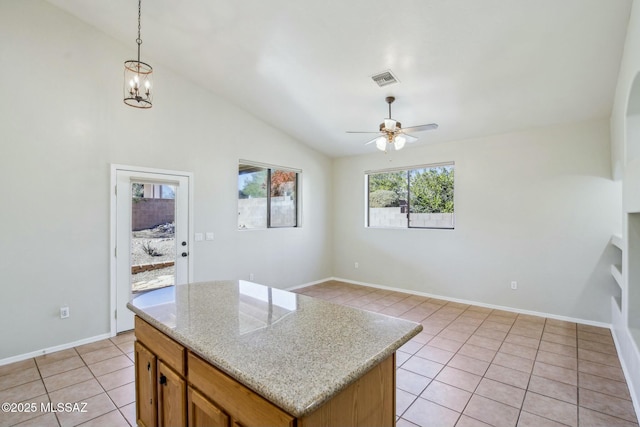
[
  {"x": 625, "y": 149},
  {"x": 538, "y": 207},
  {"x": 62, "y": 123}
]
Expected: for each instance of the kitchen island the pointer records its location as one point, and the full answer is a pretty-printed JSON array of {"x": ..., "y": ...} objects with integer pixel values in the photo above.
[{"x": 235, "y": 353}]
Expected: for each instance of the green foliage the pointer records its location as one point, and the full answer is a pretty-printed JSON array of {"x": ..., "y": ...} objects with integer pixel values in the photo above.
[
  {"x": 383, "y": 199},
  {"x": 137, "y": 190},
  {"x": 255, "y": 186},
  {"x": 390, "y": 181},
  {"x": 431, "y": 190}
]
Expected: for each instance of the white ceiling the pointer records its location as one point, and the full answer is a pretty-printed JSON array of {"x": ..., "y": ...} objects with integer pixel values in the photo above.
[{"x": 474, "y": 67}]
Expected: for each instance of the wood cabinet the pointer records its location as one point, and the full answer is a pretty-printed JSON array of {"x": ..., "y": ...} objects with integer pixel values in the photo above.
[
  {"x": 172, "y": 396},
  {"x": 244, "y": 407},
  {"x": 161, "y": 389},
  {"x": 203, "y": 413},
  {"x": 175, "y": 387},
  {"x": 146, "y": 397}
]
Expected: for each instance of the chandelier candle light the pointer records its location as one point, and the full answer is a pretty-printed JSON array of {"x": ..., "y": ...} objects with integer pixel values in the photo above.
[{"x": 138, "y": 78}]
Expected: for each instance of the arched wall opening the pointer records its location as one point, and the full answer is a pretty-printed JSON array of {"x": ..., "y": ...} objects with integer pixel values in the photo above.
[{"x": 631, "y": 201}]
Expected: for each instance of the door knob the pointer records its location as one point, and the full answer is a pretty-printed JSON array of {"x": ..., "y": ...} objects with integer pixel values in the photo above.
[
  {"x": 184, "y": 254},
  {"x": 184, "y": 243}
]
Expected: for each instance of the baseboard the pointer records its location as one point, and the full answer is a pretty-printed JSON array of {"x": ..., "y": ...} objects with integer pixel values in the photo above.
[
  {"x": 304, "y": 285},
  {"x": 53, "y": 349},
  {"x": 480, "y": 304}
]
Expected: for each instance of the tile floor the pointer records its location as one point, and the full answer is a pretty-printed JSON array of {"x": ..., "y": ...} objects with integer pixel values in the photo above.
[
  {"x": 100, "y": 374},
  {"x": 471, "y": 366}
]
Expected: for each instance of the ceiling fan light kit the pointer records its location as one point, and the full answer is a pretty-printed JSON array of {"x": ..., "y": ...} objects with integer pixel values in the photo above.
[
  {"x": 399, "y": 141},
  {"x": 392, "y": 132}
]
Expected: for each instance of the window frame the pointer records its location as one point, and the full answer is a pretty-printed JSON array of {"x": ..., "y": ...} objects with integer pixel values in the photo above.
[
  {"x": 407, "y": 170},
  {"x": 297, "y": 202}
]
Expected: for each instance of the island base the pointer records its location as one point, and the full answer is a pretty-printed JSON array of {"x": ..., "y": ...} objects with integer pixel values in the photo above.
[{"x": 176, "y": 387}]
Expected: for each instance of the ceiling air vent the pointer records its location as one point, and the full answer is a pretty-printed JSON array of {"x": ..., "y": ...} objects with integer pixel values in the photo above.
[{"x": 385, "y": 78}]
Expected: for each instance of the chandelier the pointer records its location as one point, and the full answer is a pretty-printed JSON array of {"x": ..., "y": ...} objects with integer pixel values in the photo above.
[{"x": 138, "y": 78}]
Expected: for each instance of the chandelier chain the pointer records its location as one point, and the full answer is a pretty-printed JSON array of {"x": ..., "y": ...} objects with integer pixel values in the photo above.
[{"x": 139, "y": 40}]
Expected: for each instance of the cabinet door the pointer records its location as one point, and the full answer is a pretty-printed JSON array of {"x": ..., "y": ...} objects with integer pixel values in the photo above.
[
  {"x": 243, "y": 405},
  {"x": 203, "y": 413},
  {"x": 172, "y": 394},
  {"x": 145, "y": 368}
]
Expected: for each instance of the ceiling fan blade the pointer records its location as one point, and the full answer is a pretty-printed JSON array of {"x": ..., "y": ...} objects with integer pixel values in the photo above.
[
  {"x": 422, "y": 127},
  {"x": 355, "y": 131},
  {"x": 372, "y": 141},
  {"x": 410, "y": 138}
]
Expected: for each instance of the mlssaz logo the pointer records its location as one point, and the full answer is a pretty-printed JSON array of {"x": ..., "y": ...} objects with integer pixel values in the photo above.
[{"x": 63, "y": 407}]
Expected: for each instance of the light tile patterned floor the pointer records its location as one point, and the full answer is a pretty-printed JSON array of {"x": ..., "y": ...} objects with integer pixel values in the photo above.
[
  {"x": 100, "y": 374},
  {"x": 471, "y": 366}
]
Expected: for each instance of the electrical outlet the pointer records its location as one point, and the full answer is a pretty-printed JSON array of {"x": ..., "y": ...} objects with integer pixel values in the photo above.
[
  {"x": 356, "y": 265},
  {"x": 514, "y": 285},
  {"x": 64, "y": 312},
  {"x": 251, "y": 276}
]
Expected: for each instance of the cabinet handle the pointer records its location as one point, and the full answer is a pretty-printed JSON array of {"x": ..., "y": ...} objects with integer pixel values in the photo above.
[
  {"x": 163, "y": 380},
  {"x": 150, "y": 381}
]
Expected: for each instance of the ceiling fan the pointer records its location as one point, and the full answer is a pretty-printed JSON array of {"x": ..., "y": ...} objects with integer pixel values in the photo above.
[{"x": 391, "y": 132}]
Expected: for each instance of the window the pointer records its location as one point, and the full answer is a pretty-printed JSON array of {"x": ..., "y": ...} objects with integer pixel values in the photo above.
[
  {"x": 420, "y": 197},
  {"x": 267, "y": 196}
]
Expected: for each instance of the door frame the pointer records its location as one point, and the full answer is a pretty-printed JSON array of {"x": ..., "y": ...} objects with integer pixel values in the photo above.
[{"x": 113, "y": 234}]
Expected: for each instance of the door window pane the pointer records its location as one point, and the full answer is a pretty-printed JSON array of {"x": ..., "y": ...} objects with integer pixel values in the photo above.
[{"x": 153, "y": 246}]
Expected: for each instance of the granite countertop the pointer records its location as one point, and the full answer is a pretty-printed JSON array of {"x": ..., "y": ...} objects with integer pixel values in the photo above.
[{"x": 294, "y": 350}]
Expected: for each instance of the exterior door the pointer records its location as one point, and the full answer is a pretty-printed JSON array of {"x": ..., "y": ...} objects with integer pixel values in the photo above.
[{"x": 151, "y": 236}]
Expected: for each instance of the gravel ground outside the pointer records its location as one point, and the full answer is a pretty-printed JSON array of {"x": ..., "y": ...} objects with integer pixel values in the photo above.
[{"x": 163, "y": 242}]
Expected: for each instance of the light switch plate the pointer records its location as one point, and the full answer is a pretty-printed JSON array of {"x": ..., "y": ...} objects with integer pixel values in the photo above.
[
  {"x": 199, "y": 237},
  {"x": 209, "y": 236}
]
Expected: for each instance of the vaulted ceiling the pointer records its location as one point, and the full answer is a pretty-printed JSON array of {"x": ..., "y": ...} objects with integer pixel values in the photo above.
[{"x": 474, "y": 67}]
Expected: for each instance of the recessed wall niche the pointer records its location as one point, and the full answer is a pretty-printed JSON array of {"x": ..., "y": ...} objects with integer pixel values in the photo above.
[{"x": 631, "y": 202}]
